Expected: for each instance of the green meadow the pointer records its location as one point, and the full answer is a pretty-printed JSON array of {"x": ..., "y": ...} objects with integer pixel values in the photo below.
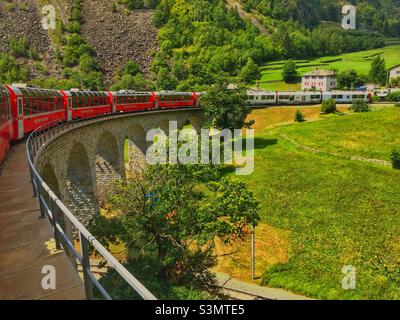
[
  {"x": 360, "y": 61},
  {"x": 336, "y": 212}
]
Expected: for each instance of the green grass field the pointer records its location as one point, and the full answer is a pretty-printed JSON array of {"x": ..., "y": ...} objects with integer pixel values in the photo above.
[
  {"x": 360, "y": 61},
  {"x": 336, "y": 212}
]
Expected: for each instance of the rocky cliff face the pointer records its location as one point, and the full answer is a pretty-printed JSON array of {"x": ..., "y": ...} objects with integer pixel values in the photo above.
[
  {"x": 116, "y": 35},
  {"x": 22, "y": 18},
  {"x": 119, "y": 36}
]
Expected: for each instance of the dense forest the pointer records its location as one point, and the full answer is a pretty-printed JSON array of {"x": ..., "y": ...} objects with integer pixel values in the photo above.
[
  {"x": 199, "y": 39},
  {"x": 378, "y": 15}
]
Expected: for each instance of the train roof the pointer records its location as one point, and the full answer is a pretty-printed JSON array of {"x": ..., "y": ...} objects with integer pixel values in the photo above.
[
  {"x": 344, "y": 92},
  {"x": 173, "y": 93},
  {"x": 130, "y": 93},
  {"x": 35, "y": 92},
  {"x": 260, "y": 92},
  {"x": 86, "y": 93}
]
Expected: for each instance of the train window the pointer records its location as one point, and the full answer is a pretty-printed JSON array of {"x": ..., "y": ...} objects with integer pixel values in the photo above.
[{"x": 251, "y": 97}]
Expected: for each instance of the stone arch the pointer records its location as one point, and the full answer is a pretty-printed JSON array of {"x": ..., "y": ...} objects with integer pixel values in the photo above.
[
  {"x": 164, "y": 126},
  {"x": 196, "y": 123},
  {"x": 80, "y": 189},
  {"x": 50, "y": 178},
  {"x": 108, "y": 166},
  {"x": 137, "y": 146}
]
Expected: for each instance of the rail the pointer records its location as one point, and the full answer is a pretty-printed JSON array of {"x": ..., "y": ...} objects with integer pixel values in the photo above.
[{"x": 57, "y": 213}]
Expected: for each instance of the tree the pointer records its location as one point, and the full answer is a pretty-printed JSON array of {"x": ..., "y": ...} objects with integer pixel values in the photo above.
[
  {"x": 226, "y": 107},
  {"x": 328, "y": 106},
  {"x": 131, "y": 68},
  {"x": 378, "y": 73},
  {"x": 161, "y": 214},
  {"x": 250, "y": 71},
  {"x": 349, "y": 79},
  {"x": 289, "y": 72}
]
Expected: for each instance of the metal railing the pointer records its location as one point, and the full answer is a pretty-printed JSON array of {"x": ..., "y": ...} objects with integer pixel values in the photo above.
[{"x": 59, "y": 216}]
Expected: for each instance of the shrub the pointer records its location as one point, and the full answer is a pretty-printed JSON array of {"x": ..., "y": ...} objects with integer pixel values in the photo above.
[
  {"x": 395, "y": 159},
  {"x": 397, "y": 105},
  {"x": 299, "y": 117},
  {"x": 394, "y": 96},
  {"x": 360, "y": 106},
  {"x": 18, "y": 47},
  {"x": 328, "y": 106}
]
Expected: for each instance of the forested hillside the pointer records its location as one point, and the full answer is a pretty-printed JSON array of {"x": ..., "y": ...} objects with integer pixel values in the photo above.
[
  {"x": 177, "y": 44},
  {"x": 200, "y": 39},
  {"x": 378, "y": 15}
]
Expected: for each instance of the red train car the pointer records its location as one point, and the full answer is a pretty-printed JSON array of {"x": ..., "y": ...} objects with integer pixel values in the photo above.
[
  {"x": 6, "y": 119},
  {"x": 33, "y": 108},
  {"x": 131, "y": 101},
  {"x": 173, "y": 100},
  {"x": 87, "y": 104}
]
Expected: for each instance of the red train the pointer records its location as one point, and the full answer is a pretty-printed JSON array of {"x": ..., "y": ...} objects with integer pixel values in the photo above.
[{"x": 22, "y": 110}]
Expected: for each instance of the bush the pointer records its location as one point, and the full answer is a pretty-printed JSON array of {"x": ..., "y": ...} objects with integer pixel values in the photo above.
[
  {"x": 395, "y": 159},
  {"x": 299, "y": 117},
  {"x": 397, "y": 105},
  {"x": 328, "y": 106},
  {"x": 394, "y": 96},
  {"x": 18, "y": 47},
  {"x": 360, "y": 106}
]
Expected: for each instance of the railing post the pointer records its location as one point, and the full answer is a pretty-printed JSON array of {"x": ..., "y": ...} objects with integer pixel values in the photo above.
[
  {"x": 86, "y": 266},
  {"x": 33, "y": 182},
  {"x": 39, "y": 194},
  {"x": 54, "y": 211}
]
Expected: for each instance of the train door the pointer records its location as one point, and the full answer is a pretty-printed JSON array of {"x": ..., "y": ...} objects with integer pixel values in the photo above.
[
  {"x": 69, "y": 108},
  {"x": 114, "y": 104},
  {"x": 20, "y": 117}
]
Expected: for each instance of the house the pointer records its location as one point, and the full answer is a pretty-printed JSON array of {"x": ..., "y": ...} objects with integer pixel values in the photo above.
[
  {"x": 394, "y": 72},
  {"x": 319, "y": 80}
]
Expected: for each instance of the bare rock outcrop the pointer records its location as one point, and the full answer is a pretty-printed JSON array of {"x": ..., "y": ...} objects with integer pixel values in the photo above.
[
  {"x": 22, "y": 18},
  {"x": 119, "y": 36}
]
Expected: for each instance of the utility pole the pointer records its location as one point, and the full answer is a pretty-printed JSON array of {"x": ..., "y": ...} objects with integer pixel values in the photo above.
[{"x": 253, "y": 258}]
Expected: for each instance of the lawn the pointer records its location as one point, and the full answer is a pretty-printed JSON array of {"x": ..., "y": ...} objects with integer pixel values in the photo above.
[
  {"x": 371, "y": 135},
  {"x": 360, "y": 61},
  {"x": 330, "y": 212}
]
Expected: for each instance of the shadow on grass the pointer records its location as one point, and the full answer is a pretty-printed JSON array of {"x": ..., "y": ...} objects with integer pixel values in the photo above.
[{"x": 261, "y": 143}]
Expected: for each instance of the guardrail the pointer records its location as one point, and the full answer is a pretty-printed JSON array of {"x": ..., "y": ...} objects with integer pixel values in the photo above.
[{"x": 57, "y": 213}]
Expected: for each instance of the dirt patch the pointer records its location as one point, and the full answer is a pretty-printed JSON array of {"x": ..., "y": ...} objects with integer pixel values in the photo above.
[
  {"x": 271, "y": 117},
  {"x": 271, "y": 247}
]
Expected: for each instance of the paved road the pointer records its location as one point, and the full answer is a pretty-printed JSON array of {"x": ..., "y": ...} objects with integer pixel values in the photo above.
[{"x": 26, "y": 242}]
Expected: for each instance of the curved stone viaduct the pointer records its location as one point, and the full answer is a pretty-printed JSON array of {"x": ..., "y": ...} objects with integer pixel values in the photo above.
[{"x": 78, "y": 163}]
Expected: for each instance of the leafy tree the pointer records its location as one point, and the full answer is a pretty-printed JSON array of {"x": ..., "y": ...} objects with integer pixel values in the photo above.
[
  {"x": 250, "y": 71},
  {"x": 378, "y": 73},
  {"x": 161, "y": 215},
  {"x": 289, "y": 72},
  {"x": 226, "y": 107},
  {"x": 328, "y": 106},
  {"x": 131, "y": 68},
  {"x": 349, "y": 79}
]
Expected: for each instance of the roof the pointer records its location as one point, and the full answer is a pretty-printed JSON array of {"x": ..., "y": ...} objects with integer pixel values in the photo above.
[{"x": 320, "y": 72}]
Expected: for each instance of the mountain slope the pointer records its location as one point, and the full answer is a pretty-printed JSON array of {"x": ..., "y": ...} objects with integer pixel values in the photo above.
[
  {"x": 119, "y": 36},
  {"x": 21, "y": 18}
]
